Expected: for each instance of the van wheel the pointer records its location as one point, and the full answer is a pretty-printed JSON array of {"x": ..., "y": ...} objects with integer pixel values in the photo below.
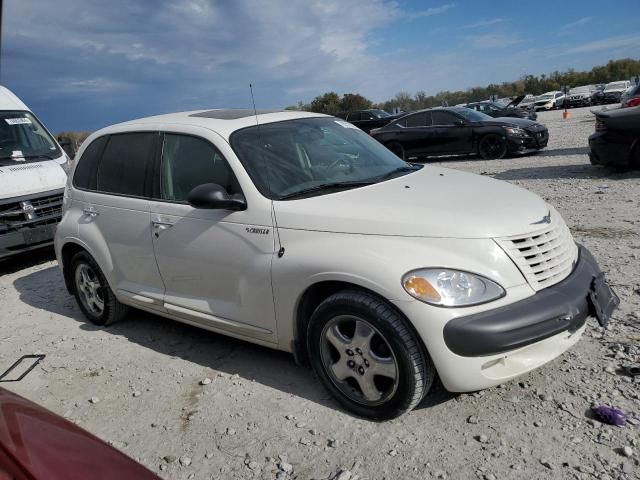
[
  {"x": 93, "y": 294},
  {"x": 398, "y": 149},
  {"x": 366, "y": 355},
  {"x": 492, "y": 146}
]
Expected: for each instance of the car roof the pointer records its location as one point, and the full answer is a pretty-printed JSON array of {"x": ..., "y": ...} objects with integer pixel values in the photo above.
[
  {"x": 9, "y": 101},
  {"x": 222, "y": 121}
]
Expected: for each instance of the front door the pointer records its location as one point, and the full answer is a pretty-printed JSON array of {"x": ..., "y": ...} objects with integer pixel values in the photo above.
[
  {"x": 451, "y": 134},
  {"x": 215, "y": 264}
]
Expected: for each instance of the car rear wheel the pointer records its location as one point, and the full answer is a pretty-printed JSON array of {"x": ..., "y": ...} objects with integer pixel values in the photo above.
[
  {"x": 492, "y": 146},
  {"x": 93, "y": 294},
  {"x": 367, "y": 356},
  {"x": 398, "y": 149}
]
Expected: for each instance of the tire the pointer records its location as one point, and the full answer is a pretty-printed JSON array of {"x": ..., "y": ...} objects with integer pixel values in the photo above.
[
  {"x": 351, "y": 335},
  {"x": 492, "y": 146},
  {"x": 398, "y": 149},
  {"x": 634, "y": 158},
  {"x": 93, "y": 294}
]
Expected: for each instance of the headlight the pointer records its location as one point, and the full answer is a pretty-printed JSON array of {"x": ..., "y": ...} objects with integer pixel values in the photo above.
[
  {"x": 450, "y": 288},
  {"x": 518, "y": 132}
]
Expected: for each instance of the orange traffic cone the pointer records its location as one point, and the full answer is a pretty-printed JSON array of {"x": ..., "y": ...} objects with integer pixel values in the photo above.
[{"x": 565, "y": 114}]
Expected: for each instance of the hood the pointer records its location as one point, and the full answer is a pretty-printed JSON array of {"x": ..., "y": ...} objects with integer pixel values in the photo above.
[
  {"x": 515, "y": 102},
  {"x": 30, "y": 177},
  {"x": 432, "y": 202}
]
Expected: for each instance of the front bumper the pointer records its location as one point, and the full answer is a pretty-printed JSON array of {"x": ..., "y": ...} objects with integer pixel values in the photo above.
[
  {"x": 493, "y": 346},
  {"x": 534, "y": 141},
  {"x": 562, "y": 307}
]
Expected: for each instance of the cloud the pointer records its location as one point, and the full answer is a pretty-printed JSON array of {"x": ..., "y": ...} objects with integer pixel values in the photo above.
[
  {"x": 577, "y": 23},
  {"x": 492, "y": 40},
  {"x": 611, "y": 43},
  {"x": 485, "y": 23},
  {"x": 429, "y": 12}
]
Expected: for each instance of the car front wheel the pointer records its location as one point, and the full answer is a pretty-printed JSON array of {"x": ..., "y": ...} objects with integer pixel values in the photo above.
[
  {"x": 492, "y": 146},
  {"x": 367, "y": 356}
]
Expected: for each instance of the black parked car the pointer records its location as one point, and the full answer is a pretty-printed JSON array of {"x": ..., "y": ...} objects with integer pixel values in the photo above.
[
  {"x": 367, "y": 119},
  {"x": 580, "y": 96},
  {"x": 616, "y": 140},
  {"x": 460, "y": 131},
  {"x": 496, "y": 110},
  {"x": 598, "y": 95}
]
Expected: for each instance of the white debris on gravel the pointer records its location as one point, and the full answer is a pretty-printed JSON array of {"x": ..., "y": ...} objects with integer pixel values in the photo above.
[{"x": 537, "y": 426}]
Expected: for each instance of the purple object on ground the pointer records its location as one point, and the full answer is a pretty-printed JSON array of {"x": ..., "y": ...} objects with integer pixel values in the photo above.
[{"x": 610, "y": 415}]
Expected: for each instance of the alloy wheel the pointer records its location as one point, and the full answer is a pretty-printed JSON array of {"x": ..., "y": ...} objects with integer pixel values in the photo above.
[
  {"x": 90, "y": 289},
  {"x": 359, "y": 360}
]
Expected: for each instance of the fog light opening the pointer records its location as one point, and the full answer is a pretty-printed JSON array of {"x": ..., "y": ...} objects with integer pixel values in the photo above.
[{"x": 492, "y": 363}]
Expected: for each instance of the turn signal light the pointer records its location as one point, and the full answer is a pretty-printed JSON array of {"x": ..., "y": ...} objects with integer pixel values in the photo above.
[{"x": 421, "y": 288}]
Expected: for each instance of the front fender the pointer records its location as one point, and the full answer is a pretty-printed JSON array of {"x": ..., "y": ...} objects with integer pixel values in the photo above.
[{"x": 376, "y": 263}]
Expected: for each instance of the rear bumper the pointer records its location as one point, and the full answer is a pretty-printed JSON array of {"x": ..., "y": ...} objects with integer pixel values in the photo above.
[
  {"x": 563, "y": 307},
  {"x": 604, "y": 151}
]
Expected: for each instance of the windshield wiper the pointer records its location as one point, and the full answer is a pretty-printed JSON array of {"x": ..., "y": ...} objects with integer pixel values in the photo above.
[
  {"x": 40, "y": 155},
  {"x": 326, "y": 186},
  {"x": 395, "y": 171}
]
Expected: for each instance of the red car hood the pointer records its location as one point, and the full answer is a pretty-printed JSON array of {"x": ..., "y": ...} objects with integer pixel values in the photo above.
[{"x": 36, "y": 444}]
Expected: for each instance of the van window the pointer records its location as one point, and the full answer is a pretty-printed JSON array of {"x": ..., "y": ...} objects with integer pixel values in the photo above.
[
  {"x": 24, "y": 139},
  {"x": 124, "y": 163},
  {"x": 191, "y": 161},
  {"x": 85, "y": 173}
]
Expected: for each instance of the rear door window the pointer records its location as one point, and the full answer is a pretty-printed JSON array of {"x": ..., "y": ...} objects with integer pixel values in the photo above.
[
  {"x": 441, "y": 118},
  {"x": 125, "y": 163},
  {"x": 418, "y": 120},
  {"x": 189, "y": 161}
]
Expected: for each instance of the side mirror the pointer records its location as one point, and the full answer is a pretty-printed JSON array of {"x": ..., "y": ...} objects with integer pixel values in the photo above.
[
  {"x": 68, "y": 146},
  {"x": 214, "y": 197}
]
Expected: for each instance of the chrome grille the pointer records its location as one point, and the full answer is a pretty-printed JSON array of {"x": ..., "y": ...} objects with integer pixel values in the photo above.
[
  {"x": 30, "y": 212},
  {"x": 545, "y": 256}
]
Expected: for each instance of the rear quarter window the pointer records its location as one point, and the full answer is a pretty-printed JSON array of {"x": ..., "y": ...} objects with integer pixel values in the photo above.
[{"x": 85, "y": 172}]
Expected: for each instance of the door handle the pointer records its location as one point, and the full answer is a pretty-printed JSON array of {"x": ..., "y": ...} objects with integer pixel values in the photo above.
[
  {"x": 90, "y": 211},
  {"x": 161, "y": 225}
]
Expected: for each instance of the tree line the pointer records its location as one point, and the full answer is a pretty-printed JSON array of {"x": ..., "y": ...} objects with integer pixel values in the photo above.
[{"x": 333, "y": 103}]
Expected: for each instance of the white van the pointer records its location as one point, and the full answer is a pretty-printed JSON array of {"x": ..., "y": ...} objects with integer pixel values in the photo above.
[{"x": 33, "y": 172}]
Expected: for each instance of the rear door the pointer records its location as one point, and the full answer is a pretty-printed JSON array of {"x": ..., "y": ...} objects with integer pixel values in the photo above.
[
  {"x": 112, "y": 199},
  {"x": 450, "y": 136},
  {"x": 216, "y": 264}
]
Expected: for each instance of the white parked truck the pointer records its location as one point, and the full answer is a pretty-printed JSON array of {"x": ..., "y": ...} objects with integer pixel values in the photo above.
[{"x": 33, "y": 173}]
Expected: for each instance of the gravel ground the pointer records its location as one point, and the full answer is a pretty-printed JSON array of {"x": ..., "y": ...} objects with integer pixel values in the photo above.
[{"x": 139, "y": 384}]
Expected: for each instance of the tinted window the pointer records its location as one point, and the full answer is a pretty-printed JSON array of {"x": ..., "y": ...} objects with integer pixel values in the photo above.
[
  {"x": 443, "y": 118},
  {"x": 190, "y": 161},
  {"x": 366, "y": 116},
  {"x": 85, "y": 173},
  {"x": 124, "y": 163},
  {"x": 418, "y": 120},
  {"x": 354, "y": 116}
]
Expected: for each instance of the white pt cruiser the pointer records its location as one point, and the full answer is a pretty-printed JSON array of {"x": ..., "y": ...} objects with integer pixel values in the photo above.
[{"x": 300, "y": 232}]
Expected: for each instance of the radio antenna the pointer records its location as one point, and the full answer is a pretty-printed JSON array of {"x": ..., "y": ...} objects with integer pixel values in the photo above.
[{"x": 273, "y": 210}]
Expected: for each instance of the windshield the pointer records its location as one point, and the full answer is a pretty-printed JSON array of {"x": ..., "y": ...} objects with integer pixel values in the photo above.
[
  {"x": 285, "y": 158},
  {"x": 546, "y": 96},
  {"x": 23, "y": 138},
  {"x": 472, "y": 115},
  {"x": 379, "y": 113},
  {"x": 615, "y": 85}
]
